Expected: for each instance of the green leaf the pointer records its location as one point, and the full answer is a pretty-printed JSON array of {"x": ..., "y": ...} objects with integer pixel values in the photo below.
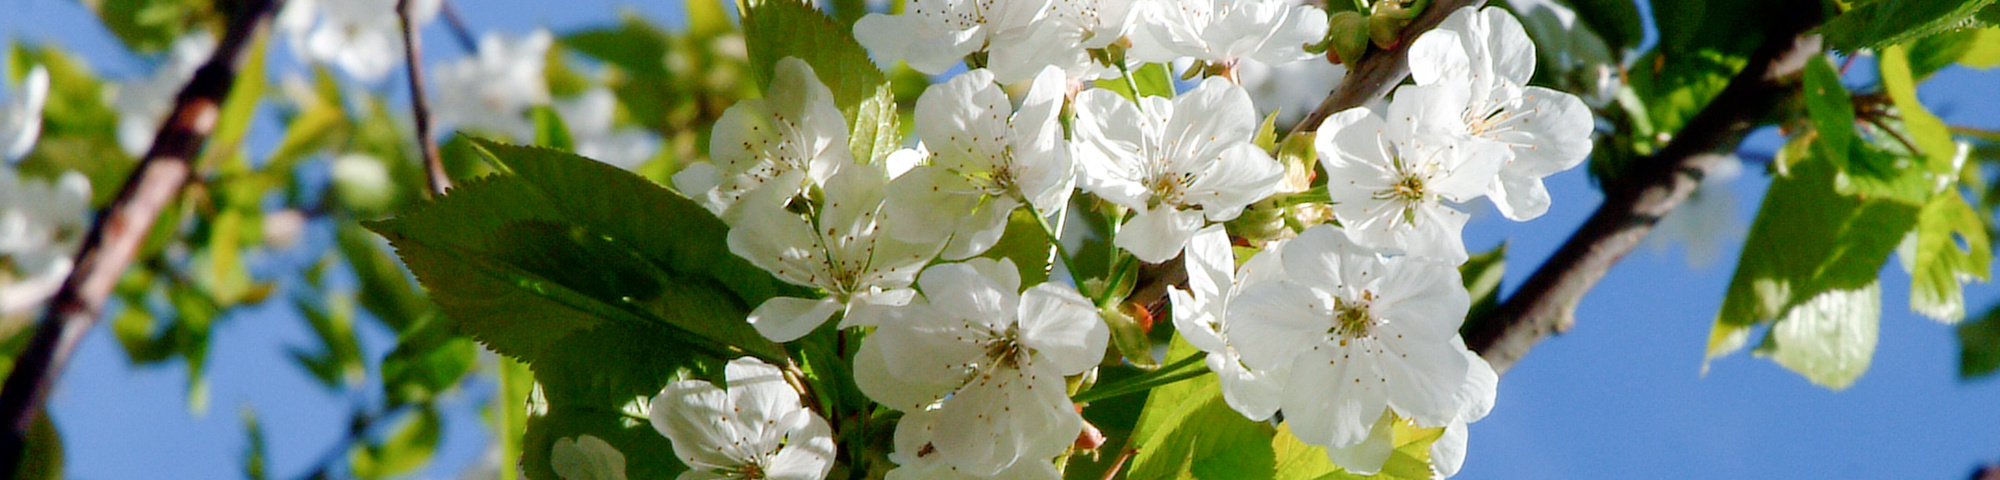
[
  {"x": 315, "y": 126},
  {"x": 1152, "y": 79},
  {"x": 1952, "y": 248},
  {"x": 1983, "y": 51},
  {"x": 428, "y": 360},
  {"x": 337, "y": 363},
  {"x": 1616, "y": 21},
  {"x": 876, "y": 130},
  {"x": 1026, "y": 244},
  {"x": 1187, "y": 423},
  {"x": 385, "y": 288},
  {"x": 1829, "y": 338},
  {"x": 517, "y": 383},
  {"x": 1482, "y": 274},
  {"x": 412, "y": 443},
  {"x": 1879, "y": 24},
  {"x": 775, "y": 29},
  {"x": 1828, "y": 103},
  {"x": 1808, "y": 240},
  {"x": 564, "y": 244},
  {"x": 647, "y": 453},
  {"x": 1979, "y": 346},
  {"x": 148, "y": 26},
  {"x": 79, "y": 131},
  {"x": 256, "y": 453},
  {"x": 1929, "y": 132},
  {"x": 550, "y": 131}
]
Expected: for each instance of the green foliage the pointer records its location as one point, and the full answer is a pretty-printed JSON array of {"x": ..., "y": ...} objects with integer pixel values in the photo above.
[
  {"x": 1482, "y": 274},
  {"x": 519, "y": 261},
  {"x": 1151, "y": 79},
  {"x": 1933, "y": 139},
  {"x": 775, "y": 29},
  {"x": 1880, "y": 24},
  {"x": 407, "y": 447},
  {"x": 1830, "y": 338},
  {"x": 876, "y": 130},
  {"x": 1979, "y": 346},
  {"x": 1951, "y": 247},
  {"x": 1808, "y": 240},
  {"x": 148, "y": 26},
  {"x": 1616, "y": 21},
  {"x": 1186, "y": 430},
  {"x": 79, "y": 131}
]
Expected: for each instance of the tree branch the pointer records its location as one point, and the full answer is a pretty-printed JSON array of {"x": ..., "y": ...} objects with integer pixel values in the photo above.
[
  {"x": 1381, "y": 69},
  {"x": 420, "y": 105},
  {"x": 1651, "y": 188},
  {"x": 115, "y": 236}
]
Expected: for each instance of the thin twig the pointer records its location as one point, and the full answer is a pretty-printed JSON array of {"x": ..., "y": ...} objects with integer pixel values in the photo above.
[
  {"x": 1654, "y": 185},
  {"x": 114, "y": 238},
  {"x": 420, "y": 105},
  {"x": 456, "y": 23},
  {"x": 1380, "y": 69}
]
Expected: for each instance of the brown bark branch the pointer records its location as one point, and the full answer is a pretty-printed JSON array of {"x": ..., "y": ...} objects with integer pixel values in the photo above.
[
  {"x": 420, "y": 105},
  {"x": 1644, "y": 194},
  {"x": 1381, "y": 69},
  {"x": 115, "y": 236}
]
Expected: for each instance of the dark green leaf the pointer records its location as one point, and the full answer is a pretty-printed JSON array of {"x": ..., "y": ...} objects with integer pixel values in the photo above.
[
  {"x": 562, "y": 245},
  {"x": 1808, "y": 240},
  {"x": 148, "y": 26},
  {"x": 550, "y": 131},
  {"x": 775, "y": 29},
  {"x": 647, "y": 453},
  {"x": 428, "y": 359},
  {"x": 1830, "y": 108},
  {"x": 1979, "y": 346},
  {"x": 1880, "y": 24},
  {"x": 1616, "y": 21}
]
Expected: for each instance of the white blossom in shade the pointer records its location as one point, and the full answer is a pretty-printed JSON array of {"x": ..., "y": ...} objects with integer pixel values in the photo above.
[
  {"x": 1200, "y": 312},
  {"x": 1225, "y": 31},
  {"x": 1475, "y": 399},
  {"x": 21, "y": 118},
  {"x": 1359, "y": 332},
  {"x": 916, "y": 462},
  {"x": 791, "y": 139},
  {"x": 41, "y": 225},
  {"x": 143, "y": 103},
  {"x": 1290, "y": 90},
  {"x": 362, "y": 37},
  {"x": 756, "y": 429},
  {"x": 978, "y": 368},
  {"x": 1477, "y": 64},
  {"x": 491, "y": 92},
  {"x": 586, "y": 457},
  {"x": 1176, "y": 163},
  {"x": 985, "y": 160},
  {"x": 1063, "y": 39},
  {"x": 1389, "y": 179},
  {"x": 839, "y": 246},
  {"x": 934, "y": 35},
  {"x": 590, "y": 119}
]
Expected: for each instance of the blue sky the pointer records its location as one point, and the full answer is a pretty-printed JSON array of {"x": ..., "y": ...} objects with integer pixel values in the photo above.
[{"x": 1620, "y": 396}]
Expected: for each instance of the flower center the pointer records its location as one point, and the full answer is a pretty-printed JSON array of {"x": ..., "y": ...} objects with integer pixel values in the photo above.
[
  {"x": 1170, "y": 188},
  {"x": 747, "y": 471},
  {"x": 1408, "y": 190},
  {"x": 1351, "y": 318}
]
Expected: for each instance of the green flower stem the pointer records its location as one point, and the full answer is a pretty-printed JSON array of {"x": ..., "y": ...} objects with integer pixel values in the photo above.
[{"x": 1174, "y": 372}]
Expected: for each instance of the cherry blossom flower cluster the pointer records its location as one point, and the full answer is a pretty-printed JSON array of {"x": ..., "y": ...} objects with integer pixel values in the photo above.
[{"x": 1341, "y": 331}]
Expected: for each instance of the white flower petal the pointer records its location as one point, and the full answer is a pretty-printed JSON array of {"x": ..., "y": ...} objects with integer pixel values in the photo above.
[
  {"x": 1060, "y": 325},
  {"x": 1157, "y": 235},
  {"x": 784, "y": 319}
]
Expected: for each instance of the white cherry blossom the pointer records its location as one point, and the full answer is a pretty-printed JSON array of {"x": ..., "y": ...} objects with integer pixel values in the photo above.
[
  {"x": 492, "y": 91},
  {"x": 590, "y": 117},
  {"x": 756, "y": 429},
  {"x": 1201, "y": 310},
  {"x": 916, "y": 462},
  {"x": 1176, "y": 163},
  {"x": 1475, "y": 398},
  {"x": 41, "y": 225},
  {"x": 985, "y": 160},
  {"x": 362, "y": 37},
  {"x": 1225, "y": 31},
  {"x": 1063, "y": 38},
  {"x": 1290, "y": 90},
  {"x": 1389, "y": 180},
  {"x": 143, "y": 103},
  {"x": 934, "y": 35},
  {"x": 791, "y": 139},
  {"x": 1359, "y": 332},
  {"x": 1477, "y": 64},
  {"x": 978, "y": 368},
  {"x": 21, "y": 118},
  {"x": 839, "y": 246}
]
